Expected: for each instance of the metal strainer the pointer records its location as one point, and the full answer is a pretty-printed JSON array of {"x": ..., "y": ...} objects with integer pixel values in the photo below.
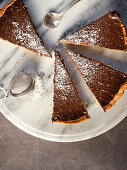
[{"x": 20, "y": 85}]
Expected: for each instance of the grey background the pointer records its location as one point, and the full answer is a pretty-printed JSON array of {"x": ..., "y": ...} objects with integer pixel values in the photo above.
[{"x": 20, "y": 151}]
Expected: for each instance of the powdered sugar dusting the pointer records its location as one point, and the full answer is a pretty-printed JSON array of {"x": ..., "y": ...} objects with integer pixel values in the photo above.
[
  {"x": 61, "y": 77},
  {"x": 105, "y": 32},
  {"x": 86, "y": 35},
  {"x": 103, "y": 80},
  {"x": 17, "y": 27},
  {"x": 87, "y": 68},
  {"x": 39, "y": 90},
  {"x": 39, "y": 87},
  {"x": 28, "y": 38},
  {"x": 67, "y": 103}
]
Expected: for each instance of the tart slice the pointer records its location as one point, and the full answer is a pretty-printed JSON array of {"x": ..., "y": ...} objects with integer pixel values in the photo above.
[
  {"x": 68, "y": 107},
  {"x": 106, "y": 32},
  {"x": 16, "y": 27},
  {"x": 106, "y": 84}
]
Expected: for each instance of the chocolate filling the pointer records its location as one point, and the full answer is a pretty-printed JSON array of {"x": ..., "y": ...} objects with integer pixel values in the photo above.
[
  {"x": 103, "y": 81},
  {"x": 106, "y": 32},
  {"x": 17, "y": 28},
  {"x": 67, "y": 102}
]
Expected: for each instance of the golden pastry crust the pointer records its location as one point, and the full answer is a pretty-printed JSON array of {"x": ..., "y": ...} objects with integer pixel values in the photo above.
[
  {"x": 66, "y": 41},
  {"x": 68, "y": 107},
  {"x": 2, "y": 11},
  {"x": 20, "y": 27},
  {"x": 116, "y": 97},
  {"x": 78, "y": 121}
]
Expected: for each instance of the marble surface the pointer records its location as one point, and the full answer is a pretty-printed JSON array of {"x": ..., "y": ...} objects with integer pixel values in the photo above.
[{"x": 32, "y": 113}]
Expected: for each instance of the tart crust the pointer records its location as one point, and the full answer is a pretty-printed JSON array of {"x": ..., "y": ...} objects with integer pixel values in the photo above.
[
  {"x": 66, "y": 40},
  {"x": 68, "y": 107},
  {"x": 2, "y": 11},
  {"x": 20, "y": 31},
  {"x": 116, "y": 96},
  {"x": 78, "y": 121}
]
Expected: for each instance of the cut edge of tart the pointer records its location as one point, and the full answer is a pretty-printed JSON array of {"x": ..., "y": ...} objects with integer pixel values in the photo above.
[
  {"x": 119, "y": 92},
  {"x": 68, "y": 107}
]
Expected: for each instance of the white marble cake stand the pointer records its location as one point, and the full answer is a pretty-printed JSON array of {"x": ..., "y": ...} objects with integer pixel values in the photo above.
[{"x": 32, "y": 113}]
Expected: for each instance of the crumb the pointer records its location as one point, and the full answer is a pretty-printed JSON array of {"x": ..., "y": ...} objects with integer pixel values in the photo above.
[
  {"x": 85, "y": 104},
  {"x": 16, "y": 63},
  {"x": 110, "y": 66},
  {"x": 96, "y": 104},
  {"x": 50, "y": 108}
]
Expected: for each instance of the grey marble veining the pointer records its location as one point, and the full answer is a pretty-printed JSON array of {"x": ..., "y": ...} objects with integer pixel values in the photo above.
[{"x": 32, "y": 113}]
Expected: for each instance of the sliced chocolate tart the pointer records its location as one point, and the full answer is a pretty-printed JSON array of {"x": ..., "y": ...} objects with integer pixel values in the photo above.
[
  {"x": 16, "y": 27},
  {"x": 68, "y": 107},
  {"x": 106, "y": 84},
  {"x": 106, "y": 32}
]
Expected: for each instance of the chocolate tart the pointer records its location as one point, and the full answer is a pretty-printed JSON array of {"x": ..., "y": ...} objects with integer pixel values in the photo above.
[
  {"x": 106, "y": 32},
  {"x": 16, "y": 27},
  {"x": 68, "y": 107},
  {"x": 106, "y": 84}
]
